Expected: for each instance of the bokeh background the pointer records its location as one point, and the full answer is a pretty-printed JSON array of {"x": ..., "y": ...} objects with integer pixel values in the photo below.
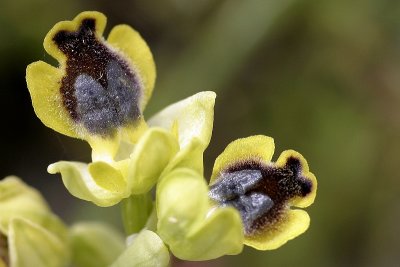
[{"x": 321, "y": 77}]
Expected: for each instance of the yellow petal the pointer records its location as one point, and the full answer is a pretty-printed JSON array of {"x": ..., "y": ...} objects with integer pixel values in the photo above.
[
  {"x": 149, "y": 158},
  {"x": 292, "y": 224},
  {"x": 98, "y": 182},
  {"x": 107, "y": 177},
  {"x": 258, "y": 147},
  {"x": 129, "y": 42}
]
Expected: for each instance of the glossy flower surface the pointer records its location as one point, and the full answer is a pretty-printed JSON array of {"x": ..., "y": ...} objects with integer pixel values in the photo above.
[{"x": 263, "y": 191}]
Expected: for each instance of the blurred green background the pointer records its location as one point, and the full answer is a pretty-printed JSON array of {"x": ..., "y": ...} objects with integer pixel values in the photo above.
[{"x": 321, "y": 77}]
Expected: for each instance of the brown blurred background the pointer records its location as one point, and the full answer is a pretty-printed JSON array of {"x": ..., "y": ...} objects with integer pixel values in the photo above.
[{"x": 321, "y": 77}]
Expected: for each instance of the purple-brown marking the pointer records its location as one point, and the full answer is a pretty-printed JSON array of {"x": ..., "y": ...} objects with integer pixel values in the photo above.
[
  {"x": 99, "y": 89},
  {"x": 261, "y": 198}
]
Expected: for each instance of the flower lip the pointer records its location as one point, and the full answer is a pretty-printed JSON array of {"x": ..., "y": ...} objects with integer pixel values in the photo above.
[
  {"x": 99, "y": 89},
  {"x": 260, "y": 192}
]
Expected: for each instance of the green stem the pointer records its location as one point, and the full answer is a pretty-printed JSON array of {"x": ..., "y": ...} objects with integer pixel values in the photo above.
[{"x": 135, "y": 211}]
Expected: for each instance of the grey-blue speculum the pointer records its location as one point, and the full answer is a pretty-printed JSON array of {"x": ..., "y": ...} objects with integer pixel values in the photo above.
[
  {"x": 260, "y": 192},
  {"x": 99, "y": 89}
]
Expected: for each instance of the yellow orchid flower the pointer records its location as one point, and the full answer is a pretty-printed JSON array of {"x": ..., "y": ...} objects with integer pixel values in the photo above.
[
  {"x": 170, "y": 143},
  {"x": 263, "y": 191},
  {"x": 98, "y": 93},
  {"x": 100, "y": 88}
]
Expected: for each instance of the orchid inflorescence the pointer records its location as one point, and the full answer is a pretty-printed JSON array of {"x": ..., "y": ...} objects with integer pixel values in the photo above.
[{"x": 154, "y": 167}]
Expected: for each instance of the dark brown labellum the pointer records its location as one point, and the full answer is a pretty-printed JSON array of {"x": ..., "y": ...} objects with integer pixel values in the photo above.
[{"x": 260, "y": 192}]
